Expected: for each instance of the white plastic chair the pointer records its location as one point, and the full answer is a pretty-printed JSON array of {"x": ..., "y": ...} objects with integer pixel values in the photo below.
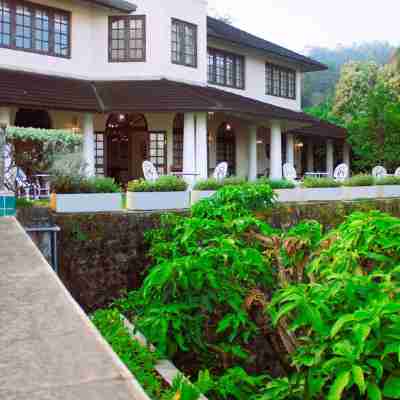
[
  {"x": 397, "y": 172},
  {"x": 341, "y": 172},
  {"x": 221, "y": 171},
  {"x": 289, "y": 173},
  {"x": 149, "y": 171},
  {"x": 24, "y": 186},
  {"x": 379, "y": 172}
]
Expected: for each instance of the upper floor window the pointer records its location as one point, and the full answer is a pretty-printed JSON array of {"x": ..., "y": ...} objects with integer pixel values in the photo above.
[
  {"x": 184, "y": 43},
  {"x": 127, "y": 38},
  {"x": 280, "y": 81},
  {"x": 35, "y": 28},
  {"x": 225, "y": 69}
]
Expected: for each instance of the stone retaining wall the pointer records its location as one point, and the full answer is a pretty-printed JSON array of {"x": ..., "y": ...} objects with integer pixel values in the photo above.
[{"x": 101, "y": 255}]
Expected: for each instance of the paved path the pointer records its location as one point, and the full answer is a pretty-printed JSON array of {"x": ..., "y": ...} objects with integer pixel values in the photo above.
[{"x": 48, "y": 348}]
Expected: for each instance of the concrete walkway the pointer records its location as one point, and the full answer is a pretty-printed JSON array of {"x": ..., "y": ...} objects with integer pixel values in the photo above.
[{"x": 49, "y": 350}]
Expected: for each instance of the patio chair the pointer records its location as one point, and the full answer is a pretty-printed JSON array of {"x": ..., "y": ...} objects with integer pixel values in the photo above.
[
  {"x": 221, "y": 171},
  {"x": 23, "y": 185},
  {"x": 341, "y": 172},
  {"x": 397, "y": 172},
  {"x": 379, "y": 172},
  {"x": 289, "y": 173},
  {"x": 150, "y": 172}
]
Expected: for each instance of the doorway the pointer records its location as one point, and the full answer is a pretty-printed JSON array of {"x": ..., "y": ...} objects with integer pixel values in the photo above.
[{"x": 127, "y": 139}]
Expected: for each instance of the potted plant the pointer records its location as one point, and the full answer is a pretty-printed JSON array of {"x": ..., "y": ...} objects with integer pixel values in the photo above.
[
  {"x": 166, "y": 193},
  {"x": 208, "y": 187},
  {"x": 77, "y": 194}
]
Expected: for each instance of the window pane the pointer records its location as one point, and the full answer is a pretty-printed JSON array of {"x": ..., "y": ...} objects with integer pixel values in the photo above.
[
  {"x": 211, "y": 74},
  {"x": 183, "y": 43},
  {"x": 276, "y": 76},
  {"x": 42, "y": 31},
  {"x": 23, "y": 27},
  {"x": 5, "y": 23},
  {"x": 61, "y": 34}
]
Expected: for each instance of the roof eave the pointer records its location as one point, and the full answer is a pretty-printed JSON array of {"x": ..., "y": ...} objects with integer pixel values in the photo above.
[{"x": 117, "y": 5}]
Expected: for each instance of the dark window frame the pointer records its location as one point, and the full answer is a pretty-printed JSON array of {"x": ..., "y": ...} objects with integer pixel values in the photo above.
[
  {"x": 214, "y": 53},
  {"x": 51, "y": 12},
  {"x": 126, "y": 49},
  {"x": 274, "y": 75},
  {"x": 181, "y": 51},
  {"x": 159, "y": 161}
]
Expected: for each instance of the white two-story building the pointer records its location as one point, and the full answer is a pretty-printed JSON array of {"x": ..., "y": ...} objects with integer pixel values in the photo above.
[{"x": 159, "y": 80}]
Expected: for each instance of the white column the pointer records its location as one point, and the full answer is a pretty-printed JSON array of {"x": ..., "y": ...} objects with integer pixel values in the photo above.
[
  {"x": 329, "y": 157},
  {"x": 253, "y": 163},
  {"x": 290, "y": 149},
  {"x": 189, "y": 145},
  {"x": 346, "y": 154},
  {"x": 310, "y": 155},
  {"x": 201, "y": 146},
  {"x": 5, "y": 120},
  {"x": 276, "y": 150},
  {"x": 89, "y": 144}
]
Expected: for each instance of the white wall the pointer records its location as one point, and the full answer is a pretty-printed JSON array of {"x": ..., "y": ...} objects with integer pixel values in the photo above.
[
  {"x": 255, "y": 76},
  {"x": 89, "y": 53}
]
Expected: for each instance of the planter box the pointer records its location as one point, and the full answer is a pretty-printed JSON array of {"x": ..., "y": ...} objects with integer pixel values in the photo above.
[
  {"x": 301, "y": 195},
  {"x": 86, "y": 202},
  {"x": 150, "y": 201},
  {"x": 197, "y": 195},
  {"x": 7, "y": 204}
]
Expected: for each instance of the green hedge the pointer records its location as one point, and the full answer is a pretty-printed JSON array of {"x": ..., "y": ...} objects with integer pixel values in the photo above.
[
  {"x": 359, "y": 180},
  {"x": 163, "y": 184},
  {"x": 213, "y": 184},
  {"x": 75, "y": 185},
  {"x": 320, "y": 183}
]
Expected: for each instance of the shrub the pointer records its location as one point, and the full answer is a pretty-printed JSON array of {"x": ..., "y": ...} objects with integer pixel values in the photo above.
[
  {"x": 163, "y": 184},
  {"x": 64, "y": 184},
  {"x": 360, "y": 180},
  {"x": 388, "y": 180},
  {"x": 213, "y": 184},
  {"x": 320, "y": 183},
  {"x": 277, "y": 183}
]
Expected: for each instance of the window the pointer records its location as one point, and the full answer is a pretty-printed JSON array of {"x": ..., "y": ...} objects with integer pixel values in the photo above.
[
  {"x": 280, "y": 81},
  {"x": 184, "y": 43},
  {"x": 158, "y": 151},
  {"x": 35, "y": 28},
  {"x": 178, "y": 143},
  {"x": 225, "y": 69},
  {"x": 127, "y": 38},
  {"x": 99, "y": 153},
  {"x": 226, "y": 147}
]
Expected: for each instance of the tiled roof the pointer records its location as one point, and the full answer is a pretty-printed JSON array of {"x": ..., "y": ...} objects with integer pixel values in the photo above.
[
  {"x": 37, "y": 90},
  {"x": 119, "y": 5},
  {"x": 221, "y": 30},
  {"x": 322, "y": 128}
]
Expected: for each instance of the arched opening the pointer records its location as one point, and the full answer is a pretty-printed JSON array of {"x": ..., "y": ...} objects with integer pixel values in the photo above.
[
  {"x": 178, "y": 143},
  {"x": 127, "y": 139},
  {"x": 226, "y": 146},
  {"x": 28, "y": 154}
]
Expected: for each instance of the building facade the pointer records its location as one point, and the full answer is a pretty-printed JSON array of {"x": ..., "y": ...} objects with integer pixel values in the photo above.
[{"x": 157, "y": 80}]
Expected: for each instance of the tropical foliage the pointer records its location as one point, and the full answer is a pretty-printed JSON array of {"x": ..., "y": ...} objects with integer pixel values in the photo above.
[{"x": 261, "y": 314}]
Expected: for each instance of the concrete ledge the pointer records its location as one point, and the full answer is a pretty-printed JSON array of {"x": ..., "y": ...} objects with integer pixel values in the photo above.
[{"x": 49, "y": 349}]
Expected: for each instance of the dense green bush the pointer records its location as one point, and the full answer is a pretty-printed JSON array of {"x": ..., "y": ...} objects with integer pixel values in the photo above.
[
  {"x": 388, "y": 180},
  {"x": 65, "y": 184},
  {"x": 277, "y": 183},
  {"x": 213, "y": 184},
  {"x": 262, "y": 314},
  {"x": 320, "y": 183},
  {"x": 360, "y": 180},
  {"x": 163, "y": 184}
]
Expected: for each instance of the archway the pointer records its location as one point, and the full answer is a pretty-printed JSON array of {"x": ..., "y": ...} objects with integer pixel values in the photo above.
[
  {"x": 226, "y": 146},
  {"x": 127, "y": 139}
]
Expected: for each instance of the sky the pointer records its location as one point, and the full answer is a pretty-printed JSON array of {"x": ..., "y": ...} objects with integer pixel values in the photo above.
[{"x": 297, "y": 24}]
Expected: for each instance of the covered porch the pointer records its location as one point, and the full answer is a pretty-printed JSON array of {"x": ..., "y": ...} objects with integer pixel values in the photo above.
[{"x": 179, "y": 127}]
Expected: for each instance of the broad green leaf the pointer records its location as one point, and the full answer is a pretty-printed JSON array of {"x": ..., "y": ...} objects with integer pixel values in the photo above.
[
  {"x": 338, "y": 386},
  {"x": 373, "y": 362},
  {"x": 374, "y": 393},
  {"x": 358, "y": 376},
  {"x": 392, "y": 388},
  {"x": 340, "y": 323}
]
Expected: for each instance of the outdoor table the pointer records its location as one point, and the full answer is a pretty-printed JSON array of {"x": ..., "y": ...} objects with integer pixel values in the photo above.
[{"x": 317, "y": 174}]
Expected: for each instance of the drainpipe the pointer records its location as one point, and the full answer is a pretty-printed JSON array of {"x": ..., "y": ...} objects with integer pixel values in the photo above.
[{"x": 2, "y": 160}]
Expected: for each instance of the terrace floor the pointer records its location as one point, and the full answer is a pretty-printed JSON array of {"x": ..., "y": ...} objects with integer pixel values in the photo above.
[{"x": 49, "y": 350}]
